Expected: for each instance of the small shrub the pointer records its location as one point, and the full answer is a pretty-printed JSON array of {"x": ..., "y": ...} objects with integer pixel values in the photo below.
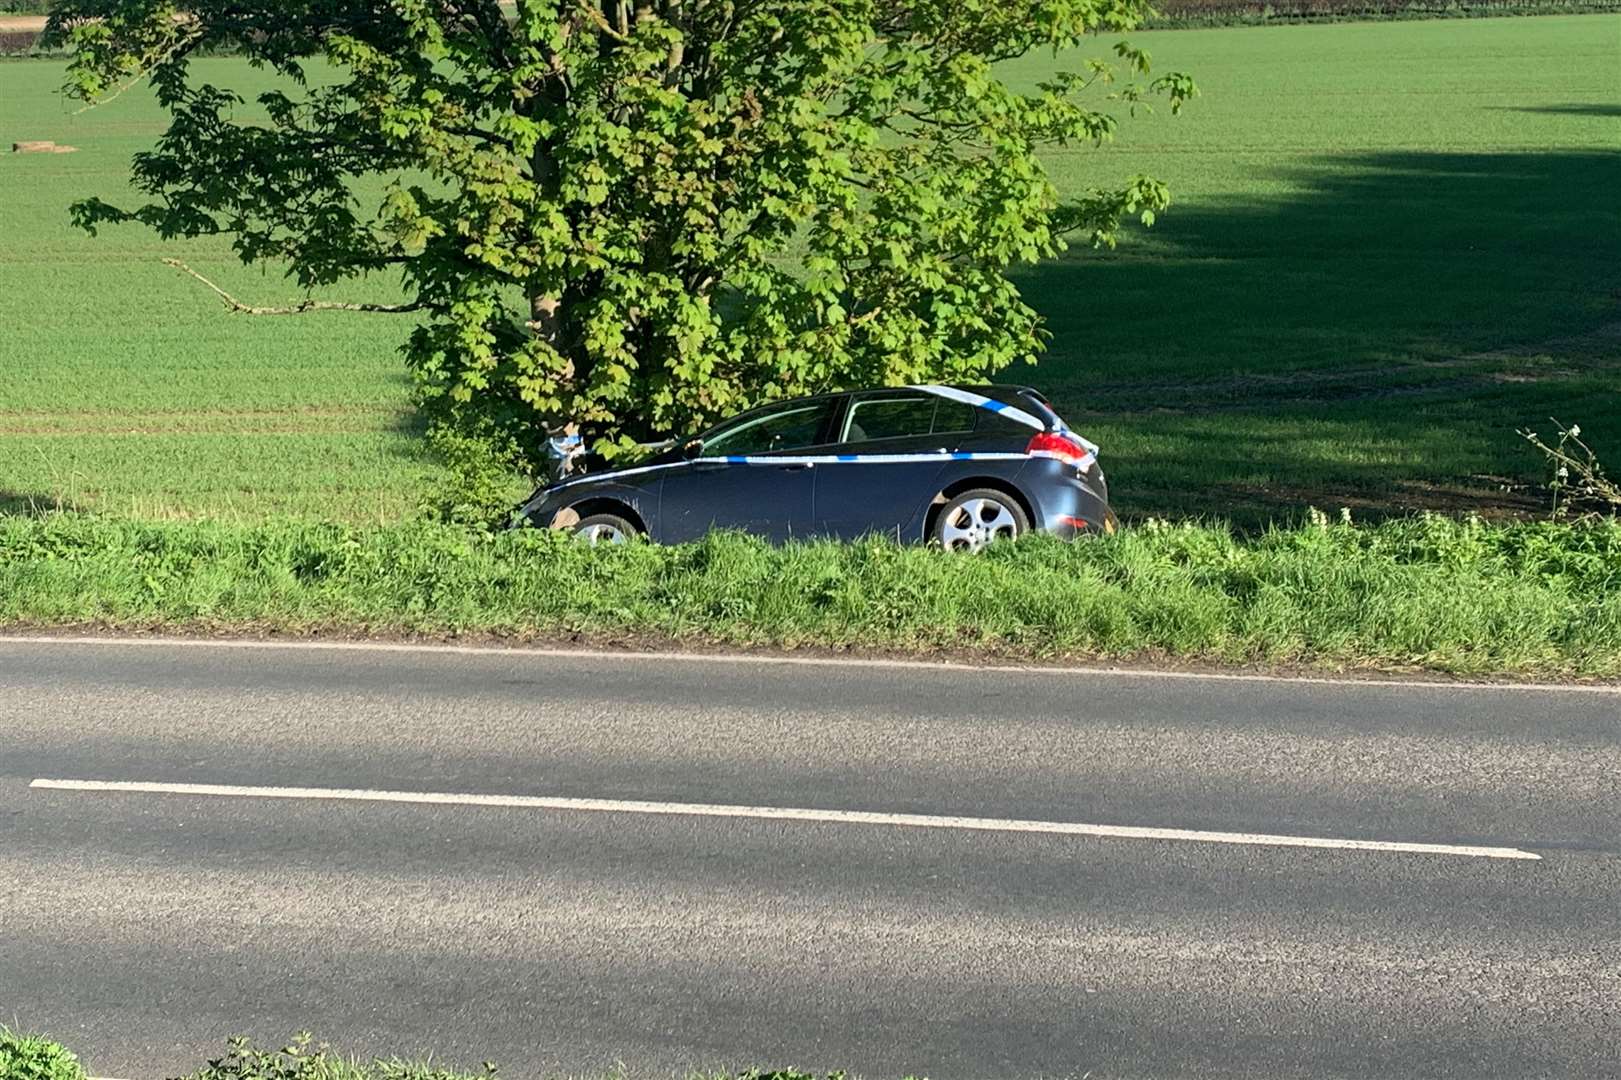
[
  {"x": 33, "y": 1057},
  {"x": 484, "y": 481}
]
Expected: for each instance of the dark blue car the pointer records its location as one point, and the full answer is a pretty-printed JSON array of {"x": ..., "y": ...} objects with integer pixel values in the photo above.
[{"x": 957, "y": 466}]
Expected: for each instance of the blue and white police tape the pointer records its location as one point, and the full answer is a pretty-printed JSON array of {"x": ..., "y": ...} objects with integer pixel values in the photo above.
[
  {"x": 950, "y": 392},
  {"x": 1009, "y": 411},
  {"x": 800, "y": 461},
  {"x": 1085, "y": 459},
  {"x": 982, "y": 402}
]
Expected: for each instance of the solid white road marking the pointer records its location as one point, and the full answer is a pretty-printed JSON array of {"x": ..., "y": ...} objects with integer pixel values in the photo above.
[
  {"x": 777, "y": 659},
  {"x": 781, "y": 813}
]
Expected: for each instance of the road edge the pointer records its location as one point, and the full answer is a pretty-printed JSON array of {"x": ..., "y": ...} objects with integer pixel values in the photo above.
[{"x": 665, "y": 650}]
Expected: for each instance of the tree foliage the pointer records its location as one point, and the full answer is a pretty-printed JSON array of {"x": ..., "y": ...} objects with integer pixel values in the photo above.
[{"x": 644, "y": 214}]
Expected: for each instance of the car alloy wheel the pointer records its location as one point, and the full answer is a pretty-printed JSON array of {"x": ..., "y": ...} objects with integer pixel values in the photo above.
[
  {"x": 975, "y": 519},
  {"x": 604, "y": 529}
]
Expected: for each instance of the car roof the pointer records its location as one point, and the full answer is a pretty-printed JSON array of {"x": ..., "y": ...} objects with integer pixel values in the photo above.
[
  {"x": 1004, "y": 392},
  {"x": 983, "y": 389}
]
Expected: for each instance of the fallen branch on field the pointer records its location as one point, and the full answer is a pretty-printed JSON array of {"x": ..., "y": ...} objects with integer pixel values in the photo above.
[{"x": 292, "y": 309}]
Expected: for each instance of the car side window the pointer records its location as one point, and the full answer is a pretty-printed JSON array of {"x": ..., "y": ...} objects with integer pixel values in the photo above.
[
  {"x": 997, "y": 424},
  {"x": 791, "y": 428},
  {"x": 905, "y": 417},
  {"x": 953, "y": 417}
]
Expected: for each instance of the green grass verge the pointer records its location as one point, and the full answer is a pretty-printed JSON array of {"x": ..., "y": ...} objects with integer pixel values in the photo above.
[
  {"x": 34, "y": 1057},
  {"x": 1424, "y": 593},
  {"x": 1392, "y": 245}
]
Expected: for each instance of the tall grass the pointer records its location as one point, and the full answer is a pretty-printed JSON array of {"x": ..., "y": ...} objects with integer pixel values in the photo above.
[{"x": 1420, "y": 593}]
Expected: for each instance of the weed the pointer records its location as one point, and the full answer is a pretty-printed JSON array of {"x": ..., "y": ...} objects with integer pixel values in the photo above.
[
  {"x": 1577, "y": 480},
  {"x": 34, "y": 1057}
]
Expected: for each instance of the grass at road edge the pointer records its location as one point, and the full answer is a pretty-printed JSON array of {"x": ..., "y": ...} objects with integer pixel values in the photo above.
[
  {"x": 1424, "y": 593},
  {"x": 35, "y": 1057}
]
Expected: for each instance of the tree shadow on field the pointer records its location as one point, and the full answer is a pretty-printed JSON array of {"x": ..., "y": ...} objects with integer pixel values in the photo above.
[
  {"x": 1372, "y": 339},
  {"x": 17, "y": 504},
  {"x": 1569, "y": 109}
]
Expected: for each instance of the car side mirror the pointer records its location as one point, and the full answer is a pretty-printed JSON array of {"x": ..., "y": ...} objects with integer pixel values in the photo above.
[{"x": 692, "y": 449}]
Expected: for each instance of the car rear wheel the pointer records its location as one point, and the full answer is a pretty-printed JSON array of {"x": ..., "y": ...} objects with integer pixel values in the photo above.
[
  {"x": 605, "y": 529},
  {"x": 974, "y": 519}
]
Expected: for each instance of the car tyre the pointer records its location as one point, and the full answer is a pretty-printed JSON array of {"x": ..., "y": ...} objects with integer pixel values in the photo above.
[
  {"x": 605, "y": 529},
  {"x": 977, "y": 518}
]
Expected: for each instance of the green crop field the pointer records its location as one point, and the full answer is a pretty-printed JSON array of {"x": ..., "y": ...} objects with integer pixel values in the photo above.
[{"x": 1393, "y": 244}]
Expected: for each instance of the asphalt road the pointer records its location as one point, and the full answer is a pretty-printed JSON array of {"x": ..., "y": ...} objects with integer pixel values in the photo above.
[{"x": 143, "y": 927}]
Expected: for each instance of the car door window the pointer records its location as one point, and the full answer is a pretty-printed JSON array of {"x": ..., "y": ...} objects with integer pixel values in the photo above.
[
  {"x": 792, "y": 428},
  {"x": 912, "y": 416}
]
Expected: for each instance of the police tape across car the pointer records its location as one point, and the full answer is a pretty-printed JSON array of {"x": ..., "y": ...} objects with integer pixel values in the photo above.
[{"x": 961, "y": 467}]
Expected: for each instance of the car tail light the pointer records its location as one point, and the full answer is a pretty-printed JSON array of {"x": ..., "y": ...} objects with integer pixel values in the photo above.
[{"x": 1062, "y": 447}]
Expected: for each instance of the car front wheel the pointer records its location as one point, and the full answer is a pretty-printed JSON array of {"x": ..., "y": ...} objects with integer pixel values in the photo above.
[
  {"x": 973, "y": 520},
  {"x": 605, "y": 529}
]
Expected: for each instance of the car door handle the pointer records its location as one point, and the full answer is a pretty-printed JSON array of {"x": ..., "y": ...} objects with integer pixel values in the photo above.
[{"x": 795, "y": 466}]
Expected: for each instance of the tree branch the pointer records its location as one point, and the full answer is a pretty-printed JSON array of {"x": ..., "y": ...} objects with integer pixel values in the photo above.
[
  {"x": 147, "y": 66},
  {"x": 601, "y": 21},
  {"x": 299, "y": 308}
]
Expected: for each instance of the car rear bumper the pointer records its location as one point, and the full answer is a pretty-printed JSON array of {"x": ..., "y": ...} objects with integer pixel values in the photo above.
[{"x": 1065, "y": 504}]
